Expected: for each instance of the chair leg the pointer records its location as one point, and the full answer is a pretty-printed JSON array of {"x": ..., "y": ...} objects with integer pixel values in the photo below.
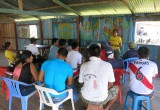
[
  {"x": 126, "y": 103},
  {"x": 148, "y": 104},
  {"x": 135, "y": 104},
  {"x": 120, "y": 96},
  {"x": 41, "y": 106},
  {"x": 24, "y": 102},
  {"x": 10, "y": 103},
  {"x": 72, "y": 104}
]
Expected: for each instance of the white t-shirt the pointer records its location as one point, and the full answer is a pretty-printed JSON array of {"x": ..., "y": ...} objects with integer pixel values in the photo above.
[
  {"x": 95, "y": 74},
  {"x": 33, "y": 49},
  {"x": 74, "y": 58},
  {"x": 148, "y": 69}
]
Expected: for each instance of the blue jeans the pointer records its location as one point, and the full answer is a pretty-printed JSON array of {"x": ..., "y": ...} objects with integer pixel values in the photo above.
[{"x": 75, "y": 96}]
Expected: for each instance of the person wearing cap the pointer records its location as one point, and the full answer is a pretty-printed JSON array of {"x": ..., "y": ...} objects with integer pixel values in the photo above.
[
  {"x": 32, "y": 47},
  {"x": 116, "y": 42},
  {"x": 131, "y": 52},
  {"x": 97, "y": 78},
  {"x": 116, "y": 63}
]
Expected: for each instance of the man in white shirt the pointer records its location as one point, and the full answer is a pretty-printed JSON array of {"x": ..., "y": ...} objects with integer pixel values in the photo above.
[
  {"x": 141, "y": 73},
  {"x": 32, "y": 47},
  {"x": 74, "y": 58},
  {"x": 97, "y": 78}
]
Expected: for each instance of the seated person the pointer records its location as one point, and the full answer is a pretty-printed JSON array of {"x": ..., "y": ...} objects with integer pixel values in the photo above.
[
  {"x": 62, "y": 43},
  {"x": 69, "y": 47},
  {"x": 97, "y": 78},
  {"x": 53, "y": 49},
  {"x": 9, "y": 54},
  {"x": 116, "y": 63},
  {"x": 15, "y": 63},
  {"x": 26, "y": 72},
  {"x": 32, "y": 47},
  {"x": 74, "y": 58},
  {"x": 131, "y": 52},
  {"x": 141, "y": 73},
  {"x": 35, "y": 52},
  {"x": 57, "y": 74}
]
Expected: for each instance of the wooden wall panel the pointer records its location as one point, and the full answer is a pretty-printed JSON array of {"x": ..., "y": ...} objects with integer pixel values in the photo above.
[{"x": 8, "y": 34}]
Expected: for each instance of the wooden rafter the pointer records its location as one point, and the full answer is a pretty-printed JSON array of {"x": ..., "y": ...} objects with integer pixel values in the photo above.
[
  {"x": 8, "y": 5},
  {"x": 20, "y": 4},
  {"x": 33, "y": 13},
  {"x": 126, "y": 2},
  {"x": 65, "y": 6}
]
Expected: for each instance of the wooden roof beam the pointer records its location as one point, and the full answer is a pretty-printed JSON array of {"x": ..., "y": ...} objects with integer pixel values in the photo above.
[
  {"x": 126, "y": 2},
  {"x": 20, "y": 4},
  {"x": 33, "y": 13},
  {"x": 65, "y": 6}
]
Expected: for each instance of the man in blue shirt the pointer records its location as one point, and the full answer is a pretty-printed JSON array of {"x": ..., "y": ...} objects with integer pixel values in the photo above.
[
  {"x": 56, "y": 73},
  {"x": 53, "y": 49}
]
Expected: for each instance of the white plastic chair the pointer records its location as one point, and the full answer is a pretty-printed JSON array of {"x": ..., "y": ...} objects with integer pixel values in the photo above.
[{"x": 45, "y": 97}]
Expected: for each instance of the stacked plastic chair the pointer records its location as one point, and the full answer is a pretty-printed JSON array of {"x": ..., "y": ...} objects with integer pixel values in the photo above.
[
  {"x": 136, "y": 101},
  {"x": 127, "y": 61},
  {"x": 45, "y": 97},
  {"x": 118, "y": 74}
]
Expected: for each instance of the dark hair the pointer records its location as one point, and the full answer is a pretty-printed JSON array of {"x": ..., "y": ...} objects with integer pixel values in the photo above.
[
  {"x": 54, "y": 40},
  {"x": 63, "y": 52},
  {"x": 32, "y": 40},
  {"x": 25, "y": 54},
  {"x": 74, "y": 45},
  {"x": 94, "y": 50},
  {"x": 62, "y": 42},
  {"x": 70, "y": 41},
  {"x": 115, "y": 30},
  {"x": 143, "y": 52},
  {"x": 6, "y": 45}
]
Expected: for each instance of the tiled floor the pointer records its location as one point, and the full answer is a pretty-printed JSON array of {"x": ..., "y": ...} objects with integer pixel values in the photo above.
[{"x": 79, "y": 105}]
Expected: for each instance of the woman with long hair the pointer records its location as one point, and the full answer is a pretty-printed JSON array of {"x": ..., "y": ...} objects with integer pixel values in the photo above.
[{"x": 28, "y": 73}]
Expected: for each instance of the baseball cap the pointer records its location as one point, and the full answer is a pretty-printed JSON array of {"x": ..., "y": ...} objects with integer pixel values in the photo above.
[
  {"x": 132, "y": 45},
  {"x": 33, "y": 39},
  {"x": 109, "y": 52}
]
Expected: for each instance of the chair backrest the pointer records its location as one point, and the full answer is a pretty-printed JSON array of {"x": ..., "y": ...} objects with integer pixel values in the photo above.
[
  {"x": 2, "y": 71},
  {"x": 118, "y": 74},
  {"x": 45, "y": 94},
  {"x": 129, "y": 60},
  {"x": 13, "y": 86}
]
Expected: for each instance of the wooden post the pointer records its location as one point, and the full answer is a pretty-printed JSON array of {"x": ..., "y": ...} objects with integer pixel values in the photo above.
[
  {"x": 16, "y": 38},
  {"x": 20, "y": 4},
  {"x": 41, "y": 31},
  {"x": 79, "y": 24}
]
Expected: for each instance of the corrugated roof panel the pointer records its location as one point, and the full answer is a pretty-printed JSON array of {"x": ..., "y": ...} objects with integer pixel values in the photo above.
[
  {"x": 103, "y": 8},
  {"x": 142, "y": 6}
]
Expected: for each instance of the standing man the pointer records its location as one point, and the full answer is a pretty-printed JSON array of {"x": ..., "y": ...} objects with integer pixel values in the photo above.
[
  {"x": 54, "y": 48},
  {"x": 116, "y": 42},
  {"x": 97, "y": 78},
  {"x": 74, "y": 58},
  {"x": 141, "y": 73}
]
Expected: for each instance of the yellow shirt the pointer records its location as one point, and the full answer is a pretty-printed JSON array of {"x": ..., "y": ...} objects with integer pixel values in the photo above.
[
  {"x": 11, "y": 56},
  {"x": 115, "y": 41}
]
